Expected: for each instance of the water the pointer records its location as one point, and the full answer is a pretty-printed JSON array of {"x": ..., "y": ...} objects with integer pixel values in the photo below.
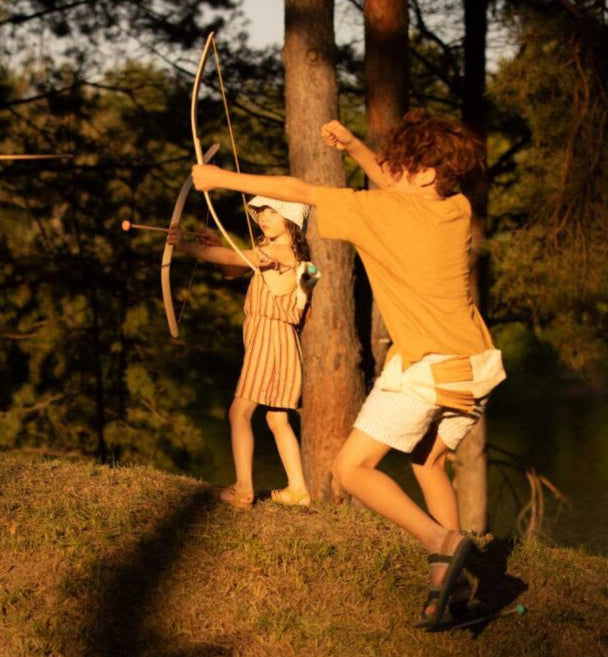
[{"x": 565, "y": 439}]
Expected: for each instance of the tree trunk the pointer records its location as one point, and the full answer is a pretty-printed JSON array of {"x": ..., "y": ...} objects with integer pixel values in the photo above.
[
  {"x": 386, "y": 100},
  {"x": 332, "y": 389},
  {"x": 385, "y": 66},
  {"x": 471, "y": 461}
]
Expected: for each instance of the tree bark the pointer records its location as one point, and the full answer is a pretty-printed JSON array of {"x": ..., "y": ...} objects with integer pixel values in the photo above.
[
  {"x": 386, "y": 99},
  {"x": 332, "y": 389},
  {"x": 385, "y": 66},
  {"x": 471, "y": 461}
]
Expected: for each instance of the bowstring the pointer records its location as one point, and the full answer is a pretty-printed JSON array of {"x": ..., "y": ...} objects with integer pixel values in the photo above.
[
  {"x": 192, "y": 275},
  {"x": 231, "y": 134}
]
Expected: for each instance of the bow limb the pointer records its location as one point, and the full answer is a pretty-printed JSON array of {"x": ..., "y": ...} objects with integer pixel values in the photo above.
[
  {"x": 165, "y": 268},
  {"x": 209, "y": 46}
]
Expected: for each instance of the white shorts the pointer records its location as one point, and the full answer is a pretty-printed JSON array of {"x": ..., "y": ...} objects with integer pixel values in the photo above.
[{"x": 401, "y": 421}]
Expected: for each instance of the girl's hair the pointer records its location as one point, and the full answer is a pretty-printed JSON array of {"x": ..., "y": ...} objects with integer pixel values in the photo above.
[
  {"x": 299, "y": 243},
  {"x": 422, "y": 141}
]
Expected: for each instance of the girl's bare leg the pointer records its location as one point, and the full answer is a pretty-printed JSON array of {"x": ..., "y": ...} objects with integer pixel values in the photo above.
[
  {"x": 289, "y": 449},
  {"x": 439, "y": 494},
  {"x": 241, "y": 434}
]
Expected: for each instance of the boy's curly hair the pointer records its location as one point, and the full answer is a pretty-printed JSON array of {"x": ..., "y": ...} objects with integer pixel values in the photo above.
[{"x": 422, "y": 141}]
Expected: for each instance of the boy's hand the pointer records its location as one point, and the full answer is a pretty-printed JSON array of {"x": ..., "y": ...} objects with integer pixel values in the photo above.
[
  {"x": 175, "y": 235},
  {"x": 335, "y": 135},
  {"x": 206, "y": 177},
  {"x": 207, "y": 237}
]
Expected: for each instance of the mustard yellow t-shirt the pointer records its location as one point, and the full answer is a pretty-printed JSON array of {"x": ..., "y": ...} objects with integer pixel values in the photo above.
[{"x": 416, "y": 254}]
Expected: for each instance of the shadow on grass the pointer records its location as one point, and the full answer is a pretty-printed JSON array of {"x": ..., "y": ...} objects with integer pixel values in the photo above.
[
  {"x": 117, "y": 622},
  {"x": 497, "y": 590}
]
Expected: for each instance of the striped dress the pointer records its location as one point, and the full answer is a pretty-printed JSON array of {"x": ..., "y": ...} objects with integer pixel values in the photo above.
[{"x": 272, "y": 367}]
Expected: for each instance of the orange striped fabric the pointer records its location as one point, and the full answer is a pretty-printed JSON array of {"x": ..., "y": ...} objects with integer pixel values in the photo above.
[{"x": 272, "y": 366}]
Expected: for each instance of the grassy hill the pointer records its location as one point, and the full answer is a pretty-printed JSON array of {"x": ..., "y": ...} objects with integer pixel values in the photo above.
[{"x": 99, "y": 562}]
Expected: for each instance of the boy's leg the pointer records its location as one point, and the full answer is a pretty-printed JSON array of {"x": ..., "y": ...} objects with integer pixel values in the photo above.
[
  {"x": 241, "y": 434},
  {"x": 428, "y": 464},
  {"x": 289, "y": 448},
  {"x": 355, "y": 469}
]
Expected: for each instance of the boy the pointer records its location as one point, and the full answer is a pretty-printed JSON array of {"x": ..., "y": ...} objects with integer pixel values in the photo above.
[{"x": 413, "y": 238}]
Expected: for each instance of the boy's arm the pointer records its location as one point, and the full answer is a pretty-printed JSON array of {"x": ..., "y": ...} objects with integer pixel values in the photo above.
[
  {"x": 334, "y": 134},
  {"x": 284, "y": 188}
]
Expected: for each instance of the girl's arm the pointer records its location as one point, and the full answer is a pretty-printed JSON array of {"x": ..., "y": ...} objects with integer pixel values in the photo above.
[
  {"x": 334, "y": 134},
  {"x": 230, "y": 261},
  {"x": 208, "y": 237},
  {"x": 284, "y": 188}
]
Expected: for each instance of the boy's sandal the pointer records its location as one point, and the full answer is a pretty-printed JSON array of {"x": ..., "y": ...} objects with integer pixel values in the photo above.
[
  {"x": 291, "y": 498},
  {"x": 237, "y": 498},
  {"x": 462, "y": 600},
  {"x": 439, "y": 594}
]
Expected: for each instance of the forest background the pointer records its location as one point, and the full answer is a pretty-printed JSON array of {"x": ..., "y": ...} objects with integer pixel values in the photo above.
[{"x": 87, "y": 364}]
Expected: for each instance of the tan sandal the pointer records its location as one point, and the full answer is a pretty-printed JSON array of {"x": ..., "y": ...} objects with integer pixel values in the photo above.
[
  {"x": 237, "y": 498},
  {"x": 290, "y": 497}
]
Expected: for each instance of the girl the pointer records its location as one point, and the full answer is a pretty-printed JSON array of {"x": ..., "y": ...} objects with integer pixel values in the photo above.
[{"x": 275, "y": 306}]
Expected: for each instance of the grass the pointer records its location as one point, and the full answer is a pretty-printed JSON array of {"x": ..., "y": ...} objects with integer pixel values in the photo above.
[{"x": 99, "y": 562}]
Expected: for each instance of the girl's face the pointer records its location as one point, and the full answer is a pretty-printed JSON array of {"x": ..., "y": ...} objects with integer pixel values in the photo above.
[{"x": 271, "y": 223}]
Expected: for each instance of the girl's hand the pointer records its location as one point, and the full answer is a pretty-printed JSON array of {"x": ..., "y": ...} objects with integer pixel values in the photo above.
[
  {"x": 175, "y": 236},
  {"x": 206, "y": 177},
  {"x": 335, "y": 135},
  {"x": 207, "y": 237}
]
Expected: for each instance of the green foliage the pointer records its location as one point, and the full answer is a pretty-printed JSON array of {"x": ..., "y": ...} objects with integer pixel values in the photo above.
[
  {"x": 85, "y": 338},
  {"x": 523, "y": 352},
  {"x": 549, "y": 250}
]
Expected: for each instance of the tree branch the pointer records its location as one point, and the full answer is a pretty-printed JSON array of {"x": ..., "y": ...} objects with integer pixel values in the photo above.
[
  {"x": 426, "y": 32},
  {"x": 17, "y": 19},
  {"x": 503, "y": 162},
  {"x": 453, "y": 84},
  {"x": 42, "y": 96}
]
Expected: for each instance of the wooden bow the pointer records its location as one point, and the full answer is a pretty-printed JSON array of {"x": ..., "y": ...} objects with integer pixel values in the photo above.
[
  {"x": 210, "y": 45},
  {"x": 165, "y": 268}
]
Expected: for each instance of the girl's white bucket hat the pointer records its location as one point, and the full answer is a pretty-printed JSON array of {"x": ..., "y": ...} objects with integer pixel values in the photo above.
[{"x": 294, "y": 212}]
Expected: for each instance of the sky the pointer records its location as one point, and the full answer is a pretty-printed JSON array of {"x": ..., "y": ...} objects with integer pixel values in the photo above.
[
  {"x": 267, "y": 18},
  {"x": 267, "y": 28},
  {"x": 267, "y": 22}
]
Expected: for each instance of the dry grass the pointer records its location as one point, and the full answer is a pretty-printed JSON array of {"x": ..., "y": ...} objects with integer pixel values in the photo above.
[{"x": 104, "y": 563}]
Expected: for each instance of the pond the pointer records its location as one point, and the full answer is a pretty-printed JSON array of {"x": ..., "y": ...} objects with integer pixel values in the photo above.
[{"x": 563, "y": 439}]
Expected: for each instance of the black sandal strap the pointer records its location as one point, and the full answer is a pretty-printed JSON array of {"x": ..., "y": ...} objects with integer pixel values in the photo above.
[
  {"x": 439, "y": 558},
  {"x": 433, "y": 594},
  {"x": 431, "y": 598}
]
